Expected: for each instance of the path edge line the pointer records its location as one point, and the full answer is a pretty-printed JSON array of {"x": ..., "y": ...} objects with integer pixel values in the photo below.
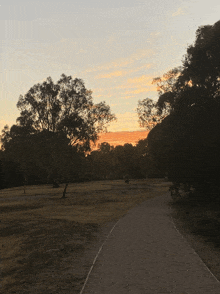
[
  {"x": 171, "y": 218},
  {"x": 94, "y": 261}
]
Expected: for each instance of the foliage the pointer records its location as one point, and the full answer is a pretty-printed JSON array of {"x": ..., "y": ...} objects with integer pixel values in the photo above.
[
  {"x": 151, "y": 112},
  {"x": 187, "y": 142},
  {"x": 56, "y": 125},
  {"x": 110, "y": 162},
  {"x": 65, "y": 107},
  {"x": 148, "y": 113},
  {"x": 10, "y": 174}
]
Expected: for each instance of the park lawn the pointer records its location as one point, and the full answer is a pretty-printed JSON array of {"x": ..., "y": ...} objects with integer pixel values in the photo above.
[{"x": 48, "y": 243}]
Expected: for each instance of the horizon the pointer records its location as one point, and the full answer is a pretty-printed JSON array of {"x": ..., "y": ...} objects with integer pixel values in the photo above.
[{"x": 120, "y": 138}]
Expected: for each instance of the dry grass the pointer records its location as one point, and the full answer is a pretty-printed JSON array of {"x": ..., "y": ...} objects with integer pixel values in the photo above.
[
  {"x": 45, "y": 240},
  {"x": 199, "y": 222}
]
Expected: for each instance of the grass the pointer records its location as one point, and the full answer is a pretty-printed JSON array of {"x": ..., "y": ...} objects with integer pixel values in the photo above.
[
  {"x": 201, "y": 217},
  {"x": 198, "y": 219},
  {"x": 45, "y": 240}
]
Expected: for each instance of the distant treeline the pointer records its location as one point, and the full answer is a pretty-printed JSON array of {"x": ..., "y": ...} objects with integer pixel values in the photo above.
[{"x": 106, "y": 163}]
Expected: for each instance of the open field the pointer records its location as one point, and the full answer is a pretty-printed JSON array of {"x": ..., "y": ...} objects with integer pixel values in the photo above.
[{"x": 48, "y": 244}]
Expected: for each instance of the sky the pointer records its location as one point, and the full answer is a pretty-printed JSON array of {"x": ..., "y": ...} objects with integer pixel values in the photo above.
[
  {"x": 120, "y": 138},
  {"x": 116, "y": 46}
]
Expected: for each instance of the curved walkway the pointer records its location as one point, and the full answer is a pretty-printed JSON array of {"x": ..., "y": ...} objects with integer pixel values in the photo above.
[{"x": 145, "y": 254}]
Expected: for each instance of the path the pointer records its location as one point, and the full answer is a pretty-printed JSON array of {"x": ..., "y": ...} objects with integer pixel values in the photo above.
[{"x": 145, "y": 254}]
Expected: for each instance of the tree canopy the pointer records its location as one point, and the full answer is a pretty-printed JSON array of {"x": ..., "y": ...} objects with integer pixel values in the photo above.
[
  {"x": 57, "y": 123},
  {"x": 65, "y": 106},
  {"x": 152, "y": 112},
  {"x": 188, "y": 139}
]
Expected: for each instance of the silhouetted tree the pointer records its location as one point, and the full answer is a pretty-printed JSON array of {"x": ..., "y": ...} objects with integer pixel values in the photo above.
[
  {"x": 65, "y": 107},
  {"x": 151, "y": 112},
  {"x": 102, "y": 163},
  {"x": 11, "y": 174},
  {"x": 57, "y": 122},
  {"x": 188, "y": 139}
]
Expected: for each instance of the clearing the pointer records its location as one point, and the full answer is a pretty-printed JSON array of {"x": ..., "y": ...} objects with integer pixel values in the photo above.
[{"x": 48, "y": 244}]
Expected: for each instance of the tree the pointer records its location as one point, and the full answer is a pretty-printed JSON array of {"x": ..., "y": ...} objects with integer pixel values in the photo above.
[
  {"x": 159, "y": 148},
  {"x": 151, "y": 112},
  {"x": 197, "y": 109},
  {"x": 53, "y": 153},
  {"x": 18, "y": 148},
  {"x": 10, "y": 173},
  {"x": 66, "y": 107},
  {"x": 148, "y": 113},
  {"x": 191, "y": 128},
  {"x": 102, "y": 161},
  {"x": 142, "y": 158},
  {"x": 57, "y": 124},
  {"x": 110, "y": 162},
  {"x": 126, "y": 161},
  {"x": 201, "y": 66}
]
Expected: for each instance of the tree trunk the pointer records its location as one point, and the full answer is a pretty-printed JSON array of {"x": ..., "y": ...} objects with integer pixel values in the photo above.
[{"x": 64, "y": 192}]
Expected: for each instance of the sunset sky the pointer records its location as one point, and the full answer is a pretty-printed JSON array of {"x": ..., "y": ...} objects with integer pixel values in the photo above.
[{"x": 116, "y": 46}]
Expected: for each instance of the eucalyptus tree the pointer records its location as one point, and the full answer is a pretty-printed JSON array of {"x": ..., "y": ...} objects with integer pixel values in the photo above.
[
  {"x": 191, "y": 94},
  {"x": 67, "y": 107},
  {"x": 57, "y": 124}
]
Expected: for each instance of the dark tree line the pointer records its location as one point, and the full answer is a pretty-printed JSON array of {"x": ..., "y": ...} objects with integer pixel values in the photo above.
[
  {"x": 185, "y": 142},
  {"x": 108, "y": 162},
  {"x": 121, "y": 162}
]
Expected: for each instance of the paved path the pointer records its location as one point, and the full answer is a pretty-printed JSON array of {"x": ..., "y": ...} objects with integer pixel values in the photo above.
[{"x": 145, "y": 254}]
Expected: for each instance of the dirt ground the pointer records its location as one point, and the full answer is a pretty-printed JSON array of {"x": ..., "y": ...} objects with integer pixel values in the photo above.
[{"x": 48, "y": 244}]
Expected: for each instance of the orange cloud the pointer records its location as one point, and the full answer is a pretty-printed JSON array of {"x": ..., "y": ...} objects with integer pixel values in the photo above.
[
  {"x": 138, "y": 91},
  {"x": 128, "y": 96},
  {"x": 142, "y": 84},
  {"x": 127, "y": 121},
  {"x": 147, "y": 80},
  {"x": 111, "y": 75},
  {"x": 119, "y": 73},
  {"x": 129, "y": 88},
  {"x": 102, "y": 90},
  {"x": 124, "y": 62}
]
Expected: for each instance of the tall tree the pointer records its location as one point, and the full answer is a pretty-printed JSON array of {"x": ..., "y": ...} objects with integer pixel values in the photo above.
[
  {"x": 192, "y": 128},
  {"x": 57, "y": 123},
  {"x": 66, "y": 107}
]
